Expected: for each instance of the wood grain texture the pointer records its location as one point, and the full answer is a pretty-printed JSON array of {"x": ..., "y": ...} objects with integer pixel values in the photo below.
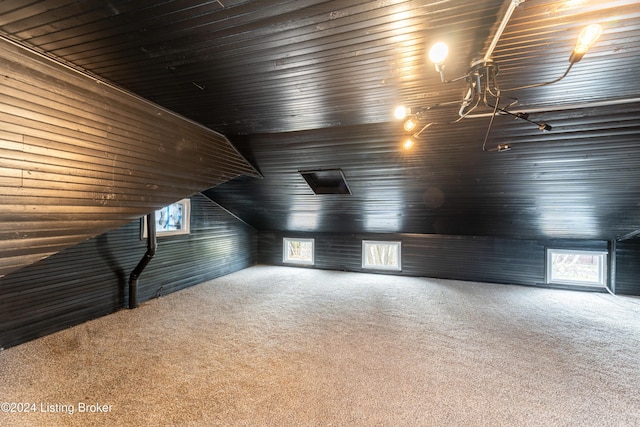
[{"x": 79, "y": 157}]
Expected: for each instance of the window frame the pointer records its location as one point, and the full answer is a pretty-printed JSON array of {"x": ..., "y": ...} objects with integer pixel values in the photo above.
[
  {"x": 367, "y": 266},
  {"x": 285, "y": 252},
  {"x": 603, "y": 258},
  {"x": 185, "y": 226}
]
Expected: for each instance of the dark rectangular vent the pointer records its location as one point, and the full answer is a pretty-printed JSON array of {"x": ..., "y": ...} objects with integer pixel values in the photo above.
[{"x": 329, "y": 181}]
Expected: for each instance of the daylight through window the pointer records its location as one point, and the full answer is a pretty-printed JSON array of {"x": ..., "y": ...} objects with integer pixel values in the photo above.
[
  {"x": 381, "y": 255},
  {"x": 298, "y": 251},
  {"x": 584, "y": 268},
  {"x": 172, "y": 219}
]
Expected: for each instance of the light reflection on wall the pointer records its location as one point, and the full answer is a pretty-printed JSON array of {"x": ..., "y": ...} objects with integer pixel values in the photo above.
[
  {"x": 304, "y": 215},
  {"x": 384, "y": 211},
  {"x": 383, "y": 223},
  {"x": 407, "y": 48},
  {"x": 554, "y": 220}
]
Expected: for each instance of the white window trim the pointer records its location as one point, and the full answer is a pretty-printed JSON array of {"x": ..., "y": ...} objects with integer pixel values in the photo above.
[
  {"x": 285, "y": 244},
  {"x": 367, "y": 266},
  {"x": 186, "y": 221},
  {"x": 602, "y": 273}
]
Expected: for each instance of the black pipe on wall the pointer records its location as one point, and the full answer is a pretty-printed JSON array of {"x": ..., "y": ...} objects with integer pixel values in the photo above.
[
  {"x": 151, "y": 251},
  {"x": 81, "y": 283}
]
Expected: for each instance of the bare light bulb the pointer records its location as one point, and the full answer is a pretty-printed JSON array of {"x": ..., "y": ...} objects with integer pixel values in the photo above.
[
  {"x": 588, "y": 36},
  {"x": 438, "y": 53},
  {"x": 410, "y": 125},
  {"x": 408, "y": 144},
  {"x": 401, "y": 112}
]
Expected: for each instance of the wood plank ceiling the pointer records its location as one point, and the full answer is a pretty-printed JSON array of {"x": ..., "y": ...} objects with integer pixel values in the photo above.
[{"x": 311, "y": 84}]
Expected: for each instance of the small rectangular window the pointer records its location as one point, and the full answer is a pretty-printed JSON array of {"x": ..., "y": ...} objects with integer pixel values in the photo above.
[
  {"x": 298, "y": 251},
  {"x": 381, "y": 255},
  {"x": 582, "y": 268},
  {"x": 172, "y": 219}
]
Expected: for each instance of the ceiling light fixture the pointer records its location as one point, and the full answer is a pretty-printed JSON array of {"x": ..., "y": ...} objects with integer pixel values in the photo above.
[
  {"x": 408, "y": 144},
  {"x": 482, "y": 85}
]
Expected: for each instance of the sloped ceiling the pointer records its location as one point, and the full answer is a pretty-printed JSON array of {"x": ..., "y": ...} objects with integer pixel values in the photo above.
[
  {"x": 309, "y": 84},
  {"x": 79, "y": 157}
]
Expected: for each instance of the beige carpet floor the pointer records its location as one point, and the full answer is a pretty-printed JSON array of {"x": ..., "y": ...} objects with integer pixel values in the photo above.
[{"x": 277, "y": 346}]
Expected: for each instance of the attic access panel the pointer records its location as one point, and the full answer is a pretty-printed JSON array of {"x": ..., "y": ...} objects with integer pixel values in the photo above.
[{"x": 328, "y": 181}]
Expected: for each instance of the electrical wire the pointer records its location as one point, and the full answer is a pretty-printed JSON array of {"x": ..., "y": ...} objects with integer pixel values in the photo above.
[
  {"x": 493, "y": 116},
  {"x": 424, "y": 109},
  {"x": 542, "y": 84},
  {"x": 620, "y": 298},
  {"x": 464, "y": 115},
  {"x": 478, "y": 91},
  {"x": 417, "y": 134}
]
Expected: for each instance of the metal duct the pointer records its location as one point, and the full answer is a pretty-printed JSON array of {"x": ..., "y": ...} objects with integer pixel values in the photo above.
[{"x": 151, "y": 250}]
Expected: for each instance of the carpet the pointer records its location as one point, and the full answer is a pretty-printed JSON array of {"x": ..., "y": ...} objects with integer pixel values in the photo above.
[{"x": 280, "y": 346}]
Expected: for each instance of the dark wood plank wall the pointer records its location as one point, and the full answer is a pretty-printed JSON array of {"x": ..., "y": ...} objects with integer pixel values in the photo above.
[
  {"x": 478, "y": 259},
  {"x": 91, "y": 279},
  {"x": 79, "y": 157},
  {"x": 218, "y": 244},
  {"x": 628, "y": 267}
]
